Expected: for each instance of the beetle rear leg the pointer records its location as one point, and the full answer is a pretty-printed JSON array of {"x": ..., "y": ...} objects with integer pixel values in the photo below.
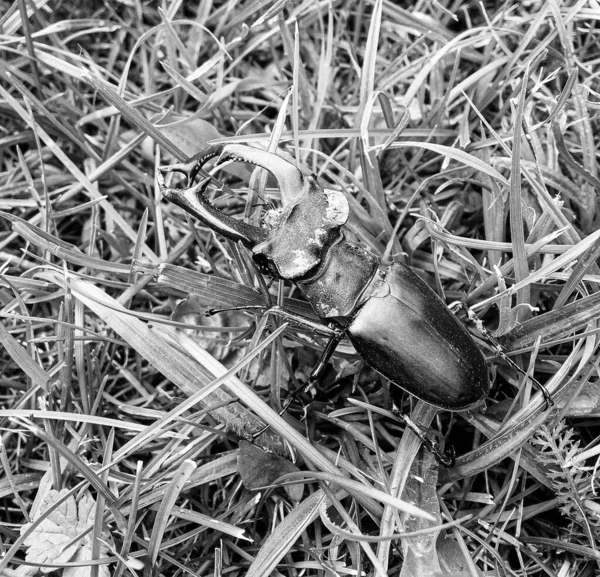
[
  {"x": 474, "y": 320},
  {"x": 446, "y": 459}
]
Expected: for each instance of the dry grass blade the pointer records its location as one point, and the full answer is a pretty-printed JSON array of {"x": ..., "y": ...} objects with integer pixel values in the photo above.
[
  {"x": 409, "y": 446},
  {"x": 19, "y": 355},
  {"x": 371, "y": 492},
  {"x": 286, "y": 534},
  {"x": 132, "y": 114},
  {"x": 516, "y": 210},
  {"x": 456, "y": 154},
  {"x": 102, "y": 421},
  {"x": 172, "y": 493},
  {"x": 235, "y": 532}
]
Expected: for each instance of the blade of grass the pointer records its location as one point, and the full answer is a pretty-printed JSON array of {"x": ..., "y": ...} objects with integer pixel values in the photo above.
[
  {"x": 20, "y": 356},
  {"x": 90, "y": 189},
  {"x": 456, "y": 154},
  {"x": 175, "y": 487},
  {"x": 285, "y": 535}
]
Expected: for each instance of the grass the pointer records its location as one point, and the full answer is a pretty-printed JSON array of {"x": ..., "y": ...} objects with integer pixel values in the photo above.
[{"x": 464, "y": 136}]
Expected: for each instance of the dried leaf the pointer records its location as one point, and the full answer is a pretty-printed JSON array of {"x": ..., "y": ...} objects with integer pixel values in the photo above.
[
  {"x": 259, "y": 469},
  {"x": 55, "y": 539}
]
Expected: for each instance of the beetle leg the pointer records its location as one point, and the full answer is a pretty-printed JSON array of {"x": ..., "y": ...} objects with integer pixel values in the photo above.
[
  {"x": 294, "y": 319},
  {"x": 499, "y": 350},
  {"x": 328, "y": 351},
  {"x": 447, "y": 459},
  {"x": 304, "y": 322},
  {"x": 318, "y": 369},
  {"x": 213, "y": 312},
  {"x": 547, "y": 396},
  {"x": 335, "y": 334}
]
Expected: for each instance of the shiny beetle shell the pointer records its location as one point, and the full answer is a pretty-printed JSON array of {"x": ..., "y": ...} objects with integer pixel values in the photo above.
[{"x": 406, "y": 333}]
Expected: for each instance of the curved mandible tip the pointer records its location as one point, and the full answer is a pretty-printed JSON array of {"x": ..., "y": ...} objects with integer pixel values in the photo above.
[
  {"x": 192, "y": 200},
  {"x": 193, "y": 165},
  {"x": 290, "y": 180}
]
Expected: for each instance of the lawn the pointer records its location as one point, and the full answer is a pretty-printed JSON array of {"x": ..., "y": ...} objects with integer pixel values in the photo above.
[{"x": 139, "y": 436}]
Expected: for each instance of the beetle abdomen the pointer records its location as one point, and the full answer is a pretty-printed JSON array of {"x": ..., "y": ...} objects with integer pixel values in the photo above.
[{"x": 406, "y": 333}]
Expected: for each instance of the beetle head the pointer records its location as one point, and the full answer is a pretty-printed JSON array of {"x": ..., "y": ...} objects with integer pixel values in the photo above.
[
  {"x": 295, "y": 238},
  {"x": 301, "y": 232}
]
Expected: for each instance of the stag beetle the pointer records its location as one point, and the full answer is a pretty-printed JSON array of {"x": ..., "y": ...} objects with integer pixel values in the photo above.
[{"x": 396, "y": 323}]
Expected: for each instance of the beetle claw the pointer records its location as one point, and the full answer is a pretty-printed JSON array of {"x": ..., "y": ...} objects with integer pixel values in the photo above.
[
  {"x": 186, "y": 168},
  {"x": 448, "y": 459},
  {"x": 174, "y": 194},
  {"x": 199, "y": 188}
]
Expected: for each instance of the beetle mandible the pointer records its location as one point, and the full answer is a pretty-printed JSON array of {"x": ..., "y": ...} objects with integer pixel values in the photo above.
[{"x": 394, "y": 320}]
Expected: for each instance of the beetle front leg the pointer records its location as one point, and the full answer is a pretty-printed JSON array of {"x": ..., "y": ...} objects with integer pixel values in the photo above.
[
  {"x": 335, "y": 334},
  {"x": 293, "y": 318}
]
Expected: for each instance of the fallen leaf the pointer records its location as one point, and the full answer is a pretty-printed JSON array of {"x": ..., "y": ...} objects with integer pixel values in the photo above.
[
  {"x": 260, "y": 469},
  {"x": 54, "y": 539}
]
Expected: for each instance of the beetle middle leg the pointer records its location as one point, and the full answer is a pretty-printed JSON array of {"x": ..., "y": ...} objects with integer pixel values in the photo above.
[
  {"x": 335, "y": 334},
  {"x": 312, "y": 378}
]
